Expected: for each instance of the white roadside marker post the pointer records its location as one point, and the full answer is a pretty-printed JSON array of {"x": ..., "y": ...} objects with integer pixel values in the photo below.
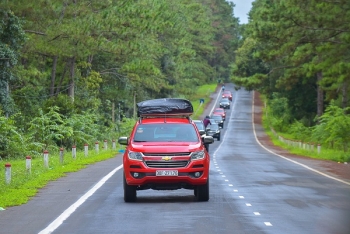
[
  {"x": 8, "y": 173},
  {"x": 96, "y": 147},
  {"x": 29, "y": 164},
  {"x": 86, "y": 149},
  {"x": 74, "y": 151},
  {"x": 61, "y": 155},
  {"x": 105, "y": 145},
  {"x": 46, "y": 159}
]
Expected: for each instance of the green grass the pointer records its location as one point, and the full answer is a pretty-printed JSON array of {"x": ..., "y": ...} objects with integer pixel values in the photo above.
[
  {"x": 324, "y": 154},
  {"x": 202, "y": 92},
  {"x": 25, "y": 185}
]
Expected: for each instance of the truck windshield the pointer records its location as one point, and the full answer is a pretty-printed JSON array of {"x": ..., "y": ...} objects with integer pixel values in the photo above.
[{"x": 165, "y": 133}]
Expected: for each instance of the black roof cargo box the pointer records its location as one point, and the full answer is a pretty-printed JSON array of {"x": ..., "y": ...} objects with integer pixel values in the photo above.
[{"x": 164, "y": 106}]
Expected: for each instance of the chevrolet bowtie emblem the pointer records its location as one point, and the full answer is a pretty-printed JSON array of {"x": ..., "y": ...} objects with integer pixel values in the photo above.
[{"x": 166, "y": 158}]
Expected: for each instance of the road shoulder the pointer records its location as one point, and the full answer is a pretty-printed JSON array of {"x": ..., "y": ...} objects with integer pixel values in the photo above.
[{"x": 334, "y": 169}]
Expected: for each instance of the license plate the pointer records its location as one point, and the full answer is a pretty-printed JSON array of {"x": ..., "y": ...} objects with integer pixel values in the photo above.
[{"x": 167, "y": 173}]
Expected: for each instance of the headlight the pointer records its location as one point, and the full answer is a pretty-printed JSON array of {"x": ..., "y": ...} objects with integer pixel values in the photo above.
[
  {"x": 197, "y": 155},
  {"x": 135, "y": 155}
]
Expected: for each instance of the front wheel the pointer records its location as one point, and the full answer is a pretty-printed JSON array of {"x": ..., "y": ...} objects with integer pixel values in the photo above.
[
  {"x": 129, "y": 192},
  {"x": 203, "y": 192}
]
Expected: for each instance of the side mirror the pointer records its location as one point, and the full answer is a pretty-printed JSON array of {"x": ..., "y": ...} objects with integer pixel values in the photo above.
[
  {"x": 208, "y": 139},
  {"x": 123, "y": 140},
  {"x": 201, "y": 132}
]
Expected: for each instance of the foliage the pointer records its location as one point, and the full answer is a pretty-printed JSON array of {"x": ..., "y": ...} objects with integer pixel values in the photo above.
[
  {"x": 334, "y": 127},
  {"x": 11, "y": 40},
  {"x": 298, "y": 49}
]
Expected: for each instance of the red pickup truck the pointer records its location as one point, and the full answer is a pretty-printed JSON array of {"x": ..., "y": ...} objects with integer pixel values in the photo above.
[{"x": 165, "y": 150}]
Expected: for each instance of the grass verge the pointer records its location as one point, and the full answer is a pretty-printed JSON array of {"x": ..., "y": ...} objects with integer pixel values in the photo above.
[{"x": 323, "y": 154}]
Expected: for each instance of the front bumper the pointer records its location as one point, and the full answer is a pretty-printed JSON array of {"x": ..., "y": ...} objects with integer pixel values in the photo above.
[{"x": 137, "y": 173}]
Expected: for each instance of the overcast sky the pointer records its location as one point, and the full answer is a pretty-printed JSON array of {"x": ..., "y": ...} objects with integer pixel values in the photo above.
[{"x": 241, "y": 9}]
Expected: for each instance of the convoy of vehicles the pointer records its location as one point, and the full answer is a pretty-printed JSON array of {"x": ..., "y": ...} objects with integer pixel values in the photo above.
[
  {"x": 165, "y": 150},
  {"x": 217, "y": 119},
  {"x": 227, "y": 94},
  {"x": 220, "y": 111},
  {"x": 214, "y": 130},
  {"x": 225, "y": 103}
]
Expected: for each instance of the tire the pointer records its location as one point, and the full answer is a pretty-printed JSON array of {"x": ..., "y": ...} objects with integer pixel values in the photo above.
[
  {"x": 129, "y": 192},
  {"x": 219, "y": 137},
  {"x": 203, "y": 192}
]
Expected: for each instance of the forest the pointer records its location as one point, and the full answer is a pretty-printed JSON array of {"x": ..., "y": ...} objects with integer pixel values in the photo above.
[
  {"x": 297, "y": 54},
  {"x": 71, "y": 71}
]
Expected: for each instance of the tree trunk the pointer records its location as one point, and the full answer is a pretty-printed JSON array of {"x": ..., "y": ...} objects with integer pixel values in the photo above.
[
  {"x": 320, "y": 95},
  {"x": 53, "y": 76},
  {"x": 58, "y": 90},
  {"x": 71, "y": 84},
  {"x": 113, "y": 112}
]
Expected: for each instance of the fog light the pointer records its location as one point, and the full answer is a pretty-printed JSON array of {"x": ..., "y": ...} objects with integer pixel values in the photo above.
[
  {"x": 197, "y": 174},
  {"x": 136, "y": 174}
]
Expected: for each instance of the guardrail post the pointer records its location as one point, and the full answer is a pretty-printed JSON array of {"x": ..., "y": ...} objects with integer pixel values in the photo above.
[
  {"x": 113, "y": 145},
  {"x": 96, "y": 147},
  {"x": 29, "y": 164},
  {"x": 46, "y": 158},
  {"x": 8, "y": 173},
  {"x": 105, "y": 144},
  {"x": 74, "y": 151},
  {"x": 86, "y": 149},
  {"x": 318, "y": 148},
  {"x": 61, "y": 155}
]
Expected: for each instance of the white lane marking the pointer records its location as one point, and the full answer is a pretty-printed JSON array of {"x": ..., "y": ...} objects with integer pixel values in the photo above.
[
  {"x": 235, "y": 190},
  {"x": 248, "y": 204},
  {"x": 242, "y": 197},
  {"x": 230, "y": 185},
  {"x": 226, "y": 180},
  {"x": 267, "y": 223},
  {"x": 60, "y": 219},
  {"x": 298, "y": 163},
  {"x": 256, "y": 213}
]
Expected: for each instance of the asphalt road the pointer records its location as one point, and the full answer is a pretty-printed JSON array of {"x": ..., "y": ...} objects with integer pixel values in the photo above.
[{"x": 251, "y": 191}]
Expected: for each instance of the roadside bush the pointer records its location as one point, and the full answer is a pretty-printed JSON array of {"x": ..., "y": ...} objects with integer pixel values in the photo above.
[
  {"x": 300, "y": 131},
  {"x": 334, "y": 128}
]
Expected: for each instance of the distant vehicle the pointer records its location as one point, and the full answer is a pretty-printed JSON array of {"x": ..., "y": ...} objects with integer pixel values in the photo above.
[
  {"x": 218, "y": 119},
  {"x": 214, "y": 131},
  {"x": 220, "y": 111},
  {"x": 200, "y": 125},
  {"x": 227, "y": 94},
  {"x": 201, "y": 129},
  {"x": 165, "y": 150},
  {"x": 225, "y": 103}
]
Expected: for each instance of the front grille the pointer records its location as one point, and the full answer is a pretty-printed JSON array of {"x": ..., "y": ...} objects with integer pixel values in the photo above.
[
  {"x": 167, "y": 164},
  {"x": 168, "y": 154}
]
